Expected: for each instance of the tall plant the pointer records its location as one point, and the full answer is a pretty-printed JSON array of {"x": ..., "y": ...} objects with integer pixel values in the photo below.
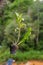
[{"x": 13, "y": 30}]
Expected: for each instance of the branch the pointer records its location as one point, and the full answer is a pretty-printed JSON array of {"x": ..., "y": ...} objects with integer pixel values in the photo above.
[{"x": 18, "y": 37}]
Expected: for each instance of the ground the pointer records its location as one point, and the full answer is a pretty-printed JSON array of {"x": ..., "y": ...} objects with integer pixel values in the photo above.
[
  {"x": 33, "y": 62},
  {"x": 30, "y": 63}
]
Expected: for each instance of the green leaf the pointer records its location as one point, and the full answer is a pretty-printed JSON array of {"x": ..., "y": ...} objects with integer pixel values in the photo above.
[{"x": 26, "y": 35}]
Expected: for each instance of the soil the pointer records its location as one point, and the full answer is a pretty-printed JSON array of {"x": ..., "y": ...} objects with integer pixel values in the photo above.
[{"x": 30, "y": 63}]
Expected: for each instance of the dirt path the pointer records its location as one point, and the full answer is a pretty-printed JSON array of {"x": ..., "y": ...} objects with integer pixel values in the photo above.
[{"x": 30, "y": 63}]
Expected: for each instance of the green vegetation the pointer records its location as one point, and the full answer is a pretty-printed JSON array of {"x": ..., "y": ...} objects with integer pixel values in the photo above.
[
  {"x": 21, "y": 23},
  {"x": 25, "y": 56}
]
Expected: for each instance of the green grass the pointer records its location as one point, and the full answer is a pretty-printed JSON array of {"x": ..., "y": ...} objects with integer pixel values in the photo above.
[{"x": 29, "y": 55}]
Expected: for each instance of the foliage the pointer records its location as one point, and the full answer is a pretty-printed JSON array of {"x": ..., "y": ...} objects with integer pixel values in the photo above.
[
  {"x": 21, "y": 28},
  {"x": 13, "y": 30},
  {"x": 29, "y": 55}
]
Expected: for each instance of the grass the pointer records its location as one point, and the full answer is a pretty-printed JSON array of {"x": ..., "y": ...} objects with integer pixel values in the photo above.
[{"x": 29, "y": 55}]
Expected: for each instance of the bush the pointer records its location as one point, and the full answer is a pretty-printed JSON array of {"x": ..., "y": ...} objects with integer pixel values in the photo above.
[
  {"x": 25, "y": 56},
  {"x": 40, "y": 45}
]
